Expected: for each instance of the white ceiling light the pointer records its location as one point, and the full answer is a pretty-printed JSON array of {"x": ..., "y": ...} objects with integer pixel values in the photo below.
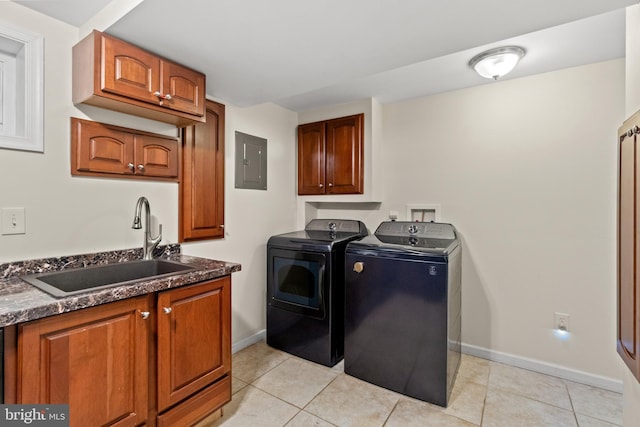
[{"x": 495, "y": 63}]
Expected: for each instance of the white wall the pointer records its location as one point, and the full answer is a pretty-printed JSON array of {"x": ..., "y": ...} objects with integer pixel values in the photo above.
[
  {"x": 252, "y": 216},
  {"x": 526, "y": 170},
  {"x": 631, "y": 413}
]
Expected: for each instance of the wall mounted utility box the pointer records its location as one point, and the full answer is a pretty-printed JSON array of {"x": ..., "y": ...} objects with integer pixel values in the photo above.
[
  {"x": 251, "y": 162},
  {"x": 423, "y": 212}
]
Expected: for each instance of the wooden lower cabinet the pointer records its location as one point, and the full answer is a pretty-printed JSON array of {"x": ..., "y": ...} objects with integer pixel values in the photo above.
[
  {"x": 197, "y": 407},
  {"x": 95, "y": 360},
  {"x": 194, "y": 341},
  {"x": 161, "y": 359}
]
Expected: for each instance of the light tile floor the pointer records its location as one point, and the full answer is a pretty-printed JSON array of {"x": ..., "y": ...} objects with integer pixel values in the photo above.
[{"x": 273, "y": 388}]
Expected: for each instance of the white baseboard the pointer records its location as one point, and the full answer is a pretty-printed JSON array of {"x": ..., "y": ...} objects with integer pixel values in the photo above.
[
  {"x": 246, "y": 342},
  {"x": 544, "y": 368},
  {"x": 500, "y": 357}
]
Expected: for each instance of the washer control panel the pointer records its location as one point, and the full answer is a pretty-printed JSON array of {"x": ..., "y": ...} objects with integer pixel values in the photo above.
[{"x": 426, "y": 230}]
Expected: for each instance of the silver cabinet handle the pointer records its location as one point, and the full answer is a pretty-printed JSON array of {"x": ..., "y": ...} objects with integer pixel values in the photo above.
[
  {"x": 144, "y": 315},
  {"x": 321, "y": 185},
  {"x": 330, "y": 185},
  {"x": 161, "y": 96},
  {"x": 131, "y": 166},
  {"x": 221, "y": 225},
  {"x": 167, "y": 310},
  {"x": 141, "y": 167}
]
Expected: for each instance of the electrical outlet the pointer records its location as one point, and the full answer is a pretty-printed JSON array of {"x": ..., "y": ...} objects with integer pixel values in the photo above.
[
  {"x": 562, "y": 322},
  {"x": 13, "y": 221}
]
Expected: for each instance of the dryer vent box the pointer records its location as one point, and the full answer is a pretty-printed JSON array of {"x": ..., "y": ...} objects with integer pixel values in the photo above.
[{"x": 251, "y": 162}]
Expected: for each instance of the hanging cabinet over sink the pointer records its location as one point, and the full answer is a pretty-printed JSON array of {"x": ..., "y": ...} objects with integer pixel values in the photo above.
[
  {"x": 111, "y": 73},
  {"x": 99, "y": 149}
]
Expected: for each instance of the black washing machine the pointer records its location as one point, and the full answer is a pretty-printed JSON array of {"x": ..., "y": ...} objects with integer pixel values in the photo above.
[
  {"x": 305, "y": 289},
  {"x": 403, "y": 304}
]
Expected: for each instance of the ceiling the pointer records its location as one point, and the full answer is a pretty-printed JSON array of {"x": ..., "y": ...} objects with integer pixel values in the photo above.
[{"x": 306, "y": 54}]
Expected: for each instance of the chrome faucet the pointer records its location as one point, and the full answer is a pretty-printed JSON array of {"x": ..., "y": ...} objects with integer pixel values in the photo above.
[{"x": 149, "y": 243}]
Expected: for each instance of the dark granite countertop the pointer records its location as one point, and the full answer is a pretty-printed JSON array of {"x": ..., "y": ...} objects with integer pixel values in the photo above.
[{"x": 21, "y": 302}]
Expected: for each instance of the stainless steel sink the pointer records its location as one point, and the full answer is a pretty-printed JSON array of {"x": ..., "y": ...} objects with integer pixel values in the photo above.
[{"x": 78, "y": 280}]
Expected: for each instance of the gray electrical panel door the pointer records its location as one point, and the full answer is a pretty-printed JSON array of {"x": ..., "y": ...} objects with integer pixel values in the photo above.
[{"x": 251, "y": 162}]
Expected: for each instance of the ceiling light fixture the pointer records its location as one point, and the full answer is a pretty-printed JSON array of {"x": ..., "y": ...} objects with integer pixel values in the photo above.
[{"x": 495, "y": 63}]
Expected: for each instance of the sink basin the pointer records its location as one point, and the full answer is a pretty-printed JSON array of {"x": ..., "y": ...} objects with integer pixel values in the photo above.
[{"x": 77, "y": 280}]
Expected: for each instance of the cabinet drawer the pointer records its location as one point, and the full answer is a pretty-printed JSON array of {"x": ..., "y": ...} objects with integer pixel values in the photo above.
[{"x": 199, "y": 406}]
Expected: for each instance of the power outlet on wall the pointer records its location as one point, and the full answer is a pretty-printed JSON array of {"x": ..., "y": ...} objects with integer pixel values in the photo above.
[
  {"x": 13, "y": 221},
  {"x": 562, "y": 322}
]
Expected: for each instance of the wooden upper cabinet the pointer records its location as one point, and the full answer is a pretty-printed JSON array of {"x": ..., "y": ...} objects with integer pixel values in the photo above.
[
  {"x": 345, "y": 155},
  {"x": 311, "y": 158},
  {"x": 128, "y": 70},
  {"x": 201, "y": 189},
  {"x": 194, "y": 339},
  {"x": 111, "y": 73},
  {"x": 95, "y": 360},
  {"x": 156, "y": 156},
  {"x": 330, "y": 156},
  {"x": 98, "y": 149},
  {"x": 183, "y": 88},
  {"x": 628, "y": 340}
]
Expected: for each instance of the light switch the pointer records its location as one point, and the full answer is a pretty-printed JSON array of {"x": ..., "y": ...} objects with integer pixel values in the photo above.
[{"x": 13, "y": 221}]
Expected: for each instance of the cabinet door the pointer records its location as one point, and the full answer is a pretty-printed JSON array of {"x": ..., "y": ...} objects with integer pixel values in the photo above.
[
  {"x": 129, "y": 71},
  {"x": 194, "y": 339},
  {"x": 345, "y": 155},
  {"x": 156, "y": 156},
  {"x": 201, "y": 214},
  {"x": 185, "y": 88},
  {"x": 628, "y": 343},
  {"x": 95, "y": 360},
  {"x": 100, "y": 148},
  {"x": 311, "y": 158}
]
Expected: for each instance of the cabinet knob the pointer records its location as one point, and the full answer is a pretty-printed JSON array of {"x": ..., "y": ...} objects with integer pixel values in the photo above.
[
  {"x": 167, "y": 310},
  {"x": 221, "y": 225},
  {"x": 321, "y": 185},
  {"x": 161, "y": 96},
  {"x": 131, "y": 166},
  {"x": 144, "y": 315},
  {"x": 141, "y": 167},
  {"x": 330, "y": 185}
]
